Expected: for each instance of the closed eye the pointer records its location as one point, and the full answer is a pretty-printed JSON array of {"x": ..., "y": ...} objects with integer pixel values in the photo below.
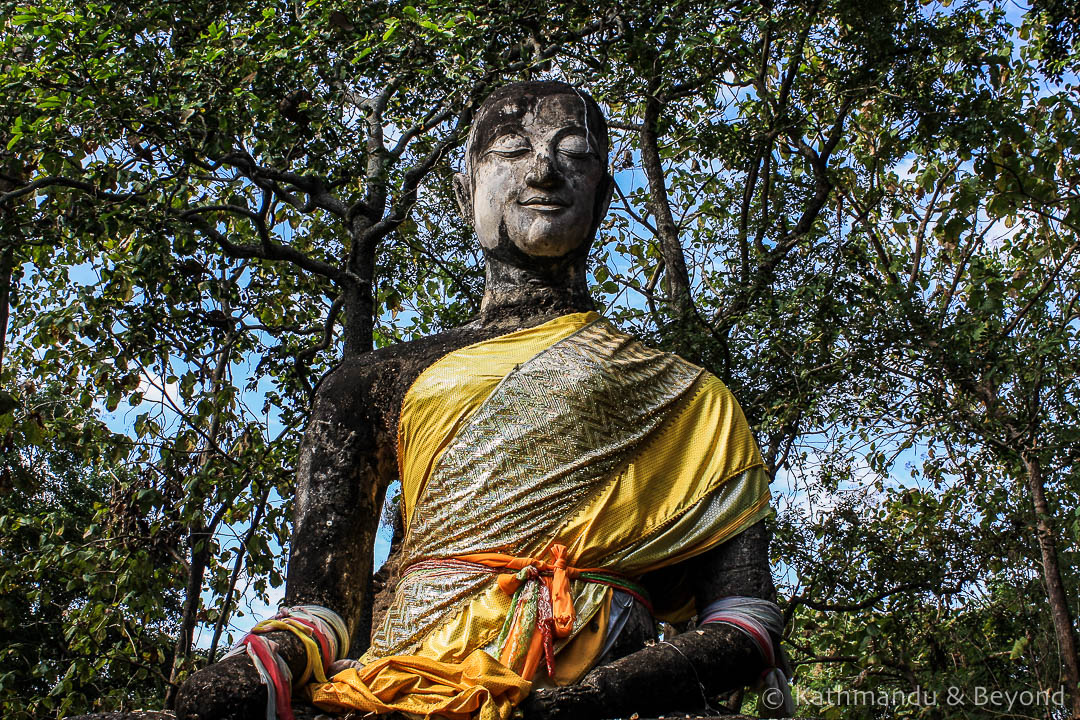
[
  {"x": 509, "y": 146},
  {"x": 515, "y": 152},
  {"x": 575, "y": 146},
  {"x": 577, "y": 154}
]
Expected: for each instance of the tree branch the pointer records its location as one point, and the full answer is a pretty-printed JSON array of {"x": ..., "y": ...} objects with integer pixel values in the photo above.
[
  {"x": 433, "y": 119},
  {"x": 678, "y": 278},
  {"x": 415, "y": 174},
  {"x": 920, "y": 235},
  {"x": 316, "y": 188},
  {"x": 1042, "y": 289},
  {"x": 630, "y": 210},
  {"x": 56, "y": 180},
  {"x": 267, "y": 251},
  {"x": 307, "y": 354}
]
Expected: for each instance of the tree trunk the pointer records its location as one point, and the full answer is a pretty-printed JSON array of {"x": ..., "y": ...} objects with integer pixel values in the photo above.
[
  {"x": 358, "y": 291},
  {"x": 199, "y": 538},
  {"x": 1055, "y": 587},
  {"x": 358, "y": 333},
  {"x": 199, "y": 557},
  {"x": 678, "y": 279}
]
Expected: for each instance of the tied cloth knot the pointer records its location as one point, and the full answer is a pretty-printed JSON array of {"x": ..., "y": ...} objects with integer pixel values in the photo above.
[
  {"x": 555, "y": 576},
  {"x": 541, "y": 606}
]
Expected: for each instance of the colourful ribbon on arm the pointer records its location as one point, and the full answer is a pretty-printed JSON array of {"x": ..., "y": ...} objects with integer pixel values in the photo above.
[
  {"x": 325, "y": 639},
  {"x": 760, "y": 620}
]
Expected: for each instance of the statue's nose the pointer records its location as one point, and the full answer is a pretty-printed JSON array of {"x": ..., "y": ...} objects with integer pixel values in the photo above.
[{"x": 543, "y": 172}]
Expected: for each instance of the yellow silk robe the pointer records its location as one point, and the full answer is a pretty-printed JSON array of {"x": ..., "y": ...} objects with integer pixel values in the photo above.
[{"x": 570, "y": 432}]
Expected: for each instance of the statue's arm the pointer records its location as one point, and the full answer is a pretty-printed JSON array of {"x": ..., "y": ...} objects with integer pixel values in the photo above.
[
  {"x": 678, "y": 674},
  {"x": 346, "y": 462},
  {"x": 344, "y": 466}
]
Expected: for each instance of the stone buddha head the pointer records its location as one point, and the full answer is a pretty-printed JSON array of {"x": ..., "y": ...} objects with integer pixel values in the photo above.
[{"x": 536, "y": 185}]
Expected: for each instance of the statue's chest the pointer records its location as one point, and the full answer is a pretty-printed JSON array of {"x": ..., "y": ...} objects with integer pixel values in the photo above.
[{"x": 543, "y": 442}]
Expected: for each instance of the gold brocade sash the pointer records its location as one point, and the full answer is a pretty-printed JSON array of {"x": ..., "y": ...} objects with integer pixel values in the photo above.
[{"x": 570, "y": 433}]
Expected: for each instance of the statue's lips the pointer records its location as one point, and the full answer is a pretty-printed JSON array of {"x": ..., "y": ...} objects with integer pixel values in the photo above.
[{"x": 544, "y": 204}]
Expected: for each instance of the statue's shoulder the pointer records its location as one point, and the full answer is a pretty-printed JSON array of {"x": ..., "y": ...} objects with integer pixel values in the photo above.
[{"x": 385, "y": 374}]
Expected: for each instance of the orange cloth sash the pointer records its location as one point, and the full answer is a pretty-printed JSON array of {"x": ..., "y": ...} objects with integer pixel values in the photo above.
[{"x": 555, "y": 575}]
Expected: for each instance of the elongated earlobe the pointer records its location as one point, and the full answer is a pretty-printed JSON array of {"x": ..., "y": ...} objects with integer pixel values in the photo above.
[
  {"x": 463, "y": 194},
  {"x": 603, "y": 202}
]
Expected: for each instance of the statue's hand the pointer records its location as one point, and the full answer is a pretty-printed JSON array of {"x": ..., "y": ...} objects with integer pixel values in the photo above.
[
  {"x": 583, "y": 701},
  {"x": 228, "y": 690}
]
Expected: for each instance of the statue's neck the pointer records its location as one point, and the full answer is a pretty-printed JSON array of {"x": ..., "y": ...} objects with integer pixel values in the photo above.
[{"x": 525, "y": 296}]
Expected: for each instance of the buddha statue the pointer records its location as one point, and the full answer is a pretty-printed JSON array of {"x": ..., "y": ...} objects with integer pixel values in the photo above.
[{"x": 563, "y": 487}]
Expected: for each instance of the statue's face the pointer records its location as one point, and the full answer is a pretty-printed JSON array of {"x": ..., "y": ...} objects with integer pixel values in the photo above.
[{"x": 534, "y": 183}]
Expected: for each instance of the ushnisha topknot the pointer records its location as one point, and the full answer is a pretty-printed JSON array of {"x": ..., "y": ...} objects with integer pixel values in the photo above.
[{"x": 509, "y": 103}]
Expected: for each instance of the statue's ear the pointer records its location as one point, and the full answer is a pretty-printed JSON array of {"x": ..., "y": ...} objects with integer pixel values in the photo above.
[
  {"x": 463, "y": 193},
  {"x": 603, "y": 201}
]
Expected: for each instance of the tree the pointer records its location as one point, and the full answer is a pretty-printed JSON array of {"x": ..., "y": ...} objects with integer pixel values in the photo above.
[
  {"x": 88, "y": 612},
  {"x": 228, "y": 207},
  {"x": 989, "y": 310},
  {"x": 968, "y": 318}
]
